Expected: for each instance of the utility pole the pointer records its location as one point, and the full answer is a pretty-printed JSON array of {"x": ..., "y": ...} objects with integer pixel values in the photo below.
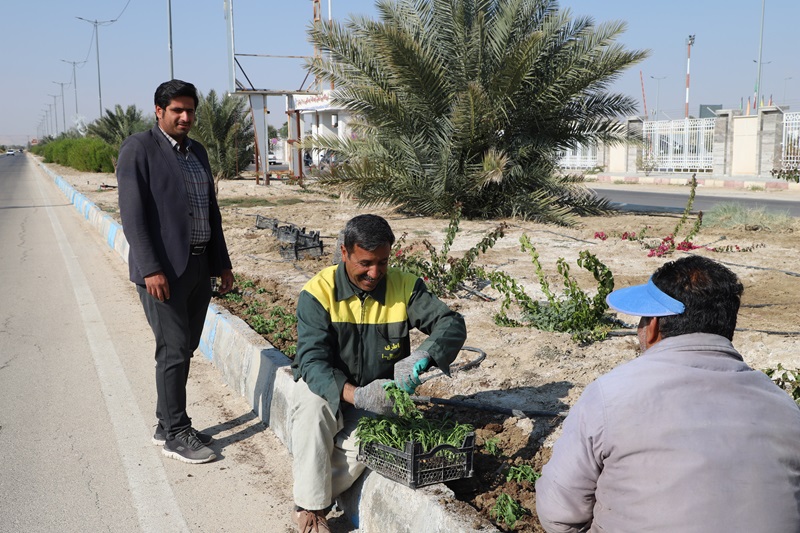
[
  {"x": 63, "y": 112},
  {"x": 689, "y": 44},
  {"x": 74, "y": 81},
  {"x": 50, "y": 118},
  {"x": 761, "y": 65},
  {"x": 760, "y": 48},
  {"x": 97, "y": 23},
  {"x": 169, "y": 21},
  {"x": 55, "y": 110},
  {"x": 658, "y": 91},
  {"x": 45, "y": 121}
]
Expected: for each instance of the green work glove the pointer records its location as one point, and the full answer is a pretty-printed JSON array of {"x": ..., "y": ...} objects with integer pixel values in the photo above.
[
  {"x": 372, "y": 397},
  {"x": 408, "y": 370}
]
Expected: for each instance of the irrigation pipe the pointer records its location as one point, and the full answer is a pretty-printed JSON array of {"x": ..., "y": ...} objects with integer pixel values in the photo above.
[
  {"x": 491, "y": 408},
  {"x": 459, "y": 367},
  {"x": 788, "y": 273},
  {"x": 625, "y": 332}
]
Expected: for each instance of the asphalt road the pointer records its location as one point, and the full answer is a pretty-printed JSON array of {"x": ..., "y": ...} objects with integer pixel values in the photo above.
[
  {"x": 77, "y": 393},
  {"x": 648, "y": 198}
]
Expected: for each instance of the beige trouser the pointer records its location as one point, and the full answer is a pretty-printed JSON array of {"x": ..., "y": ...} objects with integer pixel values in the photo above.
[{"x": 324, "y": 448}]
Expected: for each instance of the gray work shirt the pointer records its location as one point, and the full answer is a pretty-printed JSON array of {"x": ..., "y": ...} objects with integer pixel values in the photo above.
[{"x": 686, "y": 438}]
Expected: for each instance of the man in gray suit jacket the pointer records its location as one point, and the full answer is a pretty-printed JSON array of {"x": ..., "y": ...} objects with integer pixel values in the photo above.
[{"x": 172, "y": 222}]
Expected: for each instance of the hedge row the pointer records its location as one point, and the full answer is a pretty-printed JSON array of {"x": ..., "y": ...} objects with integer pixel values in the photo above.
[{"x": 87, "y": 154}]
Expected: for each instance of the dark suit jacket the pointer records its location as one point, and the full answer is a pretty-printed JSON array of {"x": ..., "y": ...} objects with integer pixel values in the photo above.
[{"x": 154, "y": 205}]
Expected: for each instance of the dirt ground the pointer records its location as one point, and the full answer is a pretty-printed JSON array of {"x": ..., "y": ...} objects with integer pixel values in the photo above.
[{"x": 524, "y": 368}]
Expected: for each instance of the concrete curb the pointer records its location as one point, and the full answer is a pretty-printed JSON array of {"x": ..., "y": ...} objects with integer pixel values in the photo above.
[
  {"x": 754, "y": 184},
  {"x": 260, "y": 373}
]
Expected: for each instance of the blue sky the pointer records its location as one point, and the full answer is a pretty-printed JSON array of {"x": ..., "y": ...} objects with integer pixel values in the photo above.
[{"x": 134, "y": 56}]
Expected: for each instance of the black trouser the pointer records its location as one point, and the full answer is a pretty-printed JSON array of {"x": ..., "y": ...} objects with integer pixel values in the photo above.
[{"x": 177, "y": 324}]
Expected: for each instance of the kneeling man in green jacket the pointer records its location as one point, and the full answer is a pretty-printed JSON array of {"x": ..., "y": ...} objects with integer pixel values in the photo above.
[{"x": 353, "y": 324}]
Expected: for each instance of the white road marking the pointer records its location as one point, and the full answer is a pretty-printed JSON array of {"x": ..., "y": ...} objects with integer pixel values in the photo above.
[{"x": 152, "y": 494}]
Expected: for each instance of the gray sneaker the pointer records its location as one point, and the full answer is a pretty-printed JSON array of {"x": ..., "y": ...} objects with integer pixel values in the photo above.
[
  {"x": 187, "y": 447},
  {"x": 160, "y": 436}
]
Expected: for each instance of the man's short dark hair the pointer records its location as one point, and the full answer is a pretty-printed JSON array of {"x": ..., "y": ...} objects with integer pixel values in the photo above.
[
  {"x": 710, "y": 292},
  {"x": 368, "y": 232},
  {"x": 169, "y": 90}
]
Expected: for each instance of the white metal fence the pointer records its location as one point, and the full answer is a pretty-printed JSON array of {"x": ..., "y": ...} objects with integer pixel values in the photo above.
[
  {"x": 580, "y": 157},
  {"x": 678, "y": 145},
  {"x": 790, "y": 158}
]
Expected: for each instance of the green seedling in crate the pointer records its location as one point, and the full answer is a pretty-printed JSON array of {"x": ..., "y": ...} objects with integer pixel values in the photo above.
[{"x": 409, "y": 425}]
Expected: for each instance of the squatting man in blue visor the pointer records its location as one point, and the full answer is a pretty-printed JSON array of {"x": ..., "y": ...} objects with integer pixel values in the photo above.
[{"x": 685, "y": 438}]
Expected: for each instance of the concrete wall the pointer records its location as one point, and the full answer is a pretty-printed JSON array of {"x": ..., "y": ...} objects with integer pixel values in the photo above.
[
  {"x": 744, "y": 145},
  {"x": 617, "y": 158}
]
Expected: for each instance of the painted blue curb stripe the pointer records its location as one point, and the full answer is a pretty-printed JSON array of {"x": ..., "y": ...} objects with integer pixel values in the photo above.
[{"x": 112, "y": 233}]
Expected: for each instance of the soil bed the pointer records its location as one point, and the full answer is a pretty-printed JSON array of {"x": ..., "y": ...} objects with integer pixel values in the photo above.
[{"x": 524, "y": 368}]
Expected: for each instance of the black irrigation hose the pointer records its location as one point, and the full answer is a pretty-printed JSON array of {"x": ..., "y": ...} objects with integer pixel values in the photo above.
[
  {"x": 460, "y": 367},
  {"x": 625, "y": 332},
  {"x": 491, "y": 408},
  {"x": 795, "y": 274}
]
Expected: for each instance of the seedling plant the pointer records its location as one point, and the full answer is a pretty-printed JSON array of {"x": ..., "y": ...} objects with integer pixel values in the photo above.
[
  {"x": 574, "y": 312},
  {"x": 523, "y": 472},
  {"x": 442, "y": 273},
  {"x": 507, "y": 510},
  {"x": 409, "y": 425},
  {"x": 492, "y": 448},
  {"x": 788, "y": 380},
  {"x": 275, "y": 323}
]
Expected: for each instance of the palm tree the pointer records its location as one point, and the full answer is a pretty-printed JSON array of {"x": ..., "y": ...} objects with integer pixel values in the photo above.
[
  {"x": 468, "y": 102},
  {"x": 116, "y": 126},
  {"x": 225, "y": 127}
]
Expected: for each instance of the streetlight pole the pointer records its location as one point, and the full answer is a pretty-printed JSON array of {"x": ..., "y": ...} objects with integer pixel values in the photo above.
[
  {"x": 74, "y": 81},
  {"x": 97, "y": 49},
  {"x": 55, "y": 110},
  {"x": 760, "y": 48},
  {"x": 169, "y": 19},
  {"x": 658, "y": 91},
  {"x": 50, "y": 118},
  {"x": 46, "y": 118},
  {"x": 761, "y": 65},
  {"x": 689, "y": 44},
  {"x": 63, "y": 112}
]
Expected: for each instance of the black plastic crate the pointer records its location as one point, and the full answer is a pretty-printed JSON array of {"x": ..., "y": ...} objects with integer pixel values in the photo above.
[{"x": 415, "y": 469}]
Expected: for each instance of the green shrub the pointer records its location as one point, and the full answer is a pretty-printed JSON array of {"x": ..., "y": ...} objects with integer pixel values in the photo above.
[
  {"x": 573, "y": 312},
  {"x": 86, "y": 154},
  {"x": 442, "y": 273}
]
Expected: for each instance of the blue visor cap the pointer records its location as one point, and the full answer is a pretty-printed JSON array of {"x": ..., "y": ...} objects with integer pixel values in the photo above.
[{"x": 644, "y": 300}]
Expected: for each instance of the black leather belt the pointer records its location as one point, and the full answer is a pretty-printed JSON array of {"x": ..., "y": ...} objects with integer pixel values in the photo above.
[{"x": 198, "y": 249}]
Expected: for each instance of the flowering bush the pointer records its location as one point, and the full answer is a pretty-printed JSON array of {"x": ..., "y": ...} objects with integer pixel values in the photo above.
[{"x": 667, "y": 245}]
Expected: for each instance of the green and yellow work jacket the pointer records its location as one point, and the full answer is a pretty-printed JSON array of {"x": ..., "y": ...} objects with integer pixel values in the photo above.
[{"x": 345, "y": 334}]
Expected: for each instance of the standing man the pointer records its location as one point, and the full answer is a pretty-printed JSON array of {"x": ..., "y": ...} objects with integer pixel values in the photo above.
[
  {"x": 686, "y": 438},
  {"x": 173, "y": 225},
  {"x": 352, "y": 338}
]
